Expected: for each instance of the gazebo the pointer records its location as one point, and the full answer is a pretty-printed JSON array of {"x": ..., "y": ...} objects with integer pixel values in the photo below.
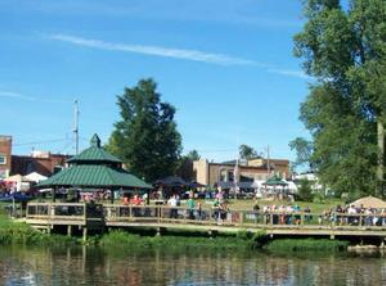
[
  {"x": 169, "y": 185},
  {"x": 274, "y": 182},
  {"x": 95, "y": 168}
]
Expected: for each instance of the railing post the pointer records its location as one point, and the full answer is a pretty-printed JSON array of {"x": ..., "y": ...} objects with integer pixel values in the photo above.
[
  {"x": 161, "y": 213},
  {"x": 85, "y": 212},
  {"x": 360, "y": 219},
  {"x": 52, "y": 210},
  {"x": 241, "y": 214},
  {"x": 302, "y": 218}
]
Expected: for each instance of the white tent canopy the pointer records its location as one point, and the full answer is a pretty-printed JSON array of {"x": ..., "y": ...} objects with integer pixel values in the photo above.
[
  {"x": 35, "y": 177},
  {"x": 15, "y": 179},
  {"x": 19, "y": 182}
]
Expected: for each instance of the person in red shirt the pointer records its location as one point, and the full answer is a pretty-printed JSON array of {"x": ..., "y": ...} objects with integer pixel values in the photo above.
[{"x": 137, "y": 201}]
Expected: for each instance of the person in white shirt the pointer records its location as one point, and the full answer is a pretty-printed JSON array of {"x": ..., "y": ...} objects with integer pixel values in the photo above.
[{"x": 173, "y": 202}]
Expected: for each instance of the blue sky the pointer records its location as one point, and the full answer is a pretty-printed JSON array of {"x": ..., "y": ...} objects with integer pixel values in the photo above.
[{"x": 226, "y": 65}]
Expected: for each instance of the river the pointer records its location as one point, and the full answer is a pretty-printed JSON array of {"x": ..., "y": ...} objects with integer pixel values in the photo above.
[{"x": 20, "y": 265}]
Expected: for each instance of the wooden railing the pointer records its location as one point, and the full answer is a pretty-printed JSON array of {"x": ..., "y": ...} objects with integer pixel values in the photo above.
[
  {"x": 57, "y": 211},
  {"x": 120, "y": 214}
]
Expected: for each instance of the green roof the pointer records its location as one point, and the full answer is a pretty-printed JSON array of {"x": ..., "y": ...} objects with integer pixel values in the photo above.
[
  {"x": 93, "y": 168},
  {"x": 95, "y": 153},
  {"x": 96, "y": 176},
  {"x": 275, "y": 181}
]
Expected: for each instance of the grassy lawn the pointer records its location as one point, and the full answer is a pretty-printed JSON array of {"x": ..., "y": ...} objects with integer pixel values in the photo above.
[{"x": 4, "y": 218}]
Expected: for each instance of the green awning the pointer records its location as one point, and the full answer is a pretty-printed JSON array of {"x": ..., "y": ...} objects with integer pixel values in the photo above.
[
  {"x": 275, "y": 181},
  {"x": 94, "y": 176}
]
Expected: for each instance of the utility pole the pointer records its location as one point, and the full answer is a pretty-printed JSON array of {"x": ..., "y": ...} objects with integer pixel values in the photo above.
[
  {"x": 76, "y": 127},
  {"x": 268, "y": 161}
]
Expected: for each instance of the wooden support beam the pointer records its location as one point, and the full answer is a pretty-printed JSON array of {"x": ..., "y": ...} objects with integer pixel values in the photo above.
[
  {"x": 84, "y": 233},
  {"x": 54, "y": 194},
  {"x": 112, "y": 196}
]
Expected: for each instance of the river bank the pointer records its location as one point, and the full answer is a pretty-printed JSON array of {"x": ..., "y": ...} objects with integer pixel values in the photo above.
[
  {"x": 21, "y": 233},
  {"x": 13, "y": 232}
]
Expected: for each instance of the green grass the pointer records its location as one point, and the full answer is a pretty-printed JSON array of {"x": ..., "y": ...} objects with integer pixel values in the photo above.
[
  {"x": 12, "y": 232},
  {"x": 299, "y": 245},
  {"x": 239, "y": 242}
]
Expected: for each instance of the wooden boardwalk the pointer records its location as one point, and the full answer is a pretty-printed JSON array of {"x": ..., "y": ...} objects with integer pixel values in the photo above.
[{"x": 48, "y": 216}]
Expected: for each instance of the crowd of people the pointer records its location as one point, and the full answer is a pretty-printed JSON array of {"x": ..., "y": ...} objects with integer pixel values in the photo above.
[
  {"x": 354, "y": 215},
  {"x": 284, "y": 214}
]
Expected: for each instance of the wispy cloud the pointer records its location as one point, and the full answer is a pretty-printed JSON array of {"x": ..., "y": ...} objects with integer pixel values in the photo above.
[
  {"x": 293, "y": 73},
  {"x": 16, "y": 95},
  {"x": 182, "y": 54},
  {"x": 19, "y": 96}
]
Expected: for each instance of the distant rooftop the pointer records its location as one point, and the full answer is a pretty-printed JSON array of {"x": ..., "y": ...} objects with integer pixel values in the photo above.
[{"x": 5, "y": 138}]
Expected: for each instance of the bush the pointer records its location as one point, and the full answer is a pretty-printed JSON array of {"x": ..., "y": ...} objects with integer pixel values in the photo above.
[
  {"x": 305, "y": 190},
  {"x": 296, "y": 245},
  {"x": 318, "y": 198}
]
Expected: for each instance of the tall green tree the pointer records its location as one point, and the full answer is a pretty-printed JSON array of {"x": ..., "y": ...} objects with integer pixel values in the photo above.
[
  {"x": 247, "y": 152},
  {"x": 146, "y": 137},
  {"x": 185, "y": 165},
  {"x": 304, "y": 150},
  {"x": 343, "y": 48},
  {"x": 193, "y": 155}
]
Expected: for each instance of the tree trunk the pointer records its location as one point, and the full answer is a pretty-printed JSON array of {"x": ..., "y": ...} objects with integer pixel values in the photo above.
[{"x": 381, "y": 158}]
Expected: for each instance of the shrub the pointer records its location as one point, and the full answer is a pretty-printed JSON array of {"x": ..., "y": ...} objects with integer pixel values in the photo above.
[{"x": 305, "y": 190}]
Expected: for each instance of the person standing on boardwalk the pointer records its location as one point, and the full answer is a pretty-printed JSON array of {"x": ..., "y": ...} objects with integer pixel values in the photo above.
[
  {"x": 199, "y": 210},
  {"x": 191, "y": 204},
  {"x": 136, "y": 201},
  {"x": 173, "y": 203}
]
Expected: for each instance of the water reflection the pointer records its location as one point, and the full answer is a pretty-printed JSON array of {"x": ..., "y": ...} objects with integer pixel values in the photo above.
[{"x": 96, "y": 266}]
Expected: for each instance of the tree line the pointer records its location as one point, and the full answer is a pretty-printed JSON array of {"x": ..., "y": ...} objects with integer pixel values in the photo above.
[{"x": 342, "y": 45}]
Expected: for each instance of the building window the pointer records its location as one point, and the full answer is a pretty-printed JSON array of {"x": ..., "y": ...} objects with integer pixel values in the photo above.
[
  {"x": 29, "y": 167},
  {"x": 3, "y": 159},
  {"x": 57, "y": 169},
  {"x": 231, "y": 176},
  {"x": 223, "y": 175}
]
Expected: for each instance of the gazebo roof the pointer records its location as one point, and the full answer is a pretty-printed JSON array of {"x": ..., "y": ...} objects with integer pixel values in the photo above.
[
  {"x": 96, "y": 176},
  {"x": 172, "y": 181},
  {"x": 95, "y": 168},
  {"x": 275, "y": 181},
  {"x": 95, "y": 153}
]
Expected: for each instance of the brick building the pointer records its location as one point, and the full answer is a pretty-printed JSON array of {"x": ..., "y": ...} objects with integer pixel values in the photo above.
[
  {"x": 5, "y": 156},
  {"x": 43, "y": 163},
  {"x": 209, "y": 173}
]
